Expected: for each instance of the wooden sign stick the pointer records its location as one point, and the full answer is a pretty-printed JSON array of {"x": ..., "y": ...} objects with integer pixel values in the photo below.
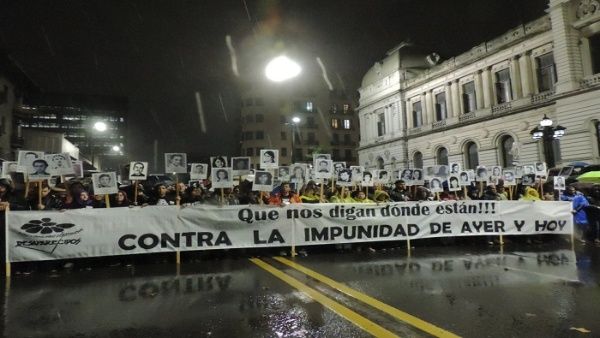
[
  {"x": 177, "y": 189},
  {"x": 107, "y": 201},
  {"x": 39, "y": 193},
  {"x": 26, "y": 184},
  {"x": 322, "y": 189},
  {"x": 135, "y": 193},
  {"x": 222, "y": 196}
]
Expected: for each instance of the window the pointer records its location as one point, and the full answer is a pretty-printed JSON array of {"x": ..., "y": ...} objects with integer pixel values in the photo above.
[
  {"x": 442, "y": 156},
  {"x": 440, "y": 107},
  {"x": 347, "y": 139},
  {"x": 595, "y": 51},
  {"x": 347, "y": 124},
  {"x": 348, "y": 155},
  {"x": 380, "y": 162},
  {"x": 298, "y": 152},
  {"x": 546, "y": 72},
  {"x": 310, "y": 121},
  {"x": 503, "y": 86},
  {"x": 250, "y": 152},
  {"x": 506, "y": 145},
  {"x": 260, "y": 135},
  {"x": 469, "y": 98},
  {"x": 311, "y": 137},
  {"x": 249, "y": 118},
  {"x": 284, "y": 152},
  {"x": 418, "y": 160},
  {"x": 472, "y": 155},
  {"x": 335, "y": 123},
  {"x": 336, "y": 138},
  {"x": 309, "y": 106},
  {"x": 248, "y": 135},
  {"x": 336, "y": 154},
  {"x": 417, "y": 114},
  {"x": 346, "y": 108},
  {"x": 333, "y": 109},
  {"x": 258, "y": 101},
  {"x": 283, "y": 136},
  {"x": 260, "y": 117},
  {"x": 380, "y": 124}
]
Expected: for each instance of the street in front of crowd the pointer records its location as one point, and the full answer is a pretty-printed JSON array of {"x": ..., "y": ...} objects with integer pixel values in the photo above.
[{"x": 519, "y": 290}]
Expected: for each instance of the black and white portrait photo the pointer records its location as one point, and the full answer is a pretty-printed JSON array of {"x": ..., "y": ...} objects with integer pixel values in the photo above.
[
  {"x": 455, "y": 168},
  {"x": 496, "y": 172},
  {"x": 435, "y": 185},
  {"x": 367, "y": 179},
  {"x": 40, "y": 170},
  {"x": 105, "y": 183},
  {"x": 356, "y": 173},
  {"x": 218, "y": 162},
  {"x": 298, "y": 173},
  {"x": 482, "y": 174},
  {"x": 198, "y": 171},
  {"x": 338, "y": 166},
  {"x": 321, "y": 157},
  {"x": 263, "y": 181},
  {"x": 269, "y": 158},
  {"x": 453, "y": 183},
  {"x": 559, "y": 183},
  {"x": 8, "y": 168},
  {"x": 324, "y": 169},
  {"x": 175, "y": 163},
  {"x": 509, "y": 177},
  {"x": 429, "y": 172},
  {"x": 528, "y": 169},
  {"x": 221, "y": 178},
  {"x": 464, "y": 179},
  {"x": 518, "y": 171},
  {"x": 382, "y": 177},
  {"x": 138, "y": 171},
  {"x": 441, "y": 171},
  {"x": 540, "y": 168},
  {"x": 344, "y": 177},
  {"x": 528, "y": 179},
  {"x": 59, "y": 164},
  {"x": 240, "y": 165},
  {"x": 283, "y": 173},
  {"x": 417, "y": 176},
  {"x": 566, "y": 171},
  {"x": 26, "y": 158},
  {"x": 77, "y": 168},
  {"x": 406, "y": 175}
]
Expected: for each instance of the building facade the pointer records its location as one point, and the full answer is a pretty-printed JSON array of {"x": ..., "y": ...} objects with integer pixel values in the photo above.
[
  {"x": 75, "y": 116},
  {"x": 480, "y": 107},
  {"x": 327, "y": 124}
]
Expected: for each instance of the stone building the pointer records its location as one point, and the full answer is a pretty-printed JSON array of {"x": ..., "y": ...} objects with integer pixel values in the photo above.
[{"x": 481, "y": 107}]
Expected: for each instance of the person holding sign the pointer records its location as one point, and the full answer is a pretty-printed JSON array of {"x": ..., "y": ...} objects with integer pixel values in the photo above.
[
  {"x": 9, "y": 199},
  {"x": 161, "y": 196}
]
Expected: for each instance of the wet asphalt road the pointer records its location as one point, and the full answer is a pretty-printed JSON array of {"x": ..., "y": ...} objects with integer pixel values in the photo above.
[{"x": 521, "y": 291}]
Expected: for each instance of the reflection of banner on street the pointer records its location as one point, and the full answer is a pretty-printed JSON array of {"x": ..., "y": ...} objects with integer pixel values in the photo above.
[{"x": 38, "y": 235}]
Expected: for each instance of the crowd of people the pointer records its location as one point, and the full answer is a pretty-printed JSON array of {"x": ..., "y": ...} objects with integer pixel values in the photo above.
[{"x": 76, "y": 195}]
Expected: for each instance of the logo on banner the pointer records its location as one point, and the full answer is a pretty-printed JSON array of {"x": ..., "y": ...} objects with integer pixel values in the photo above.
[{"x": 45, "y": 235}]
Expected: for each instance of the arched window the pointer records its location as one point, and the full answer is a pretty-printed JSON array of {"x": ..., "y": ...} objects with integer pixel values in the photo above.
[
  {"x": 471, "y": 155},
  {"x": 418, "y": 160},
  {"x": 380, "y": 163},
  {"x": 442, "y": 156},
  {"x": 505, "y": 147}
]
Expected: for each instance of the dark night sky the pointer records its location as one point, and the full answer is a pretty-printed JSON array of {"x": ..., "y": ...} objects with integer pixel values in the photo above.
[{"x": 158, "y": 53}]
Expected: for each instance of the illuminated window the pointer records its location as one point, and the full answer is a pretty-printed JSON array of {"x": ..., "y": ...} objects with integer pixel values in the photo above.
[
  {"x": 335, "y": 123},
  {"x": 347, "y": 124},
  {"x": 546, "y": 72},
  {"x": 309, "y": 106}
]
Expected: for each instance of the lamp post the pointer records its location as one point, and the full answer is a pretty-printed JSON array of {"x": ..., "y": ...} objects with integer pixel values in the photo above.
[
  {"x": 282, "y": 68},
  {"x": 294, "y": 125},
  {"x": 547, "y": 133}
]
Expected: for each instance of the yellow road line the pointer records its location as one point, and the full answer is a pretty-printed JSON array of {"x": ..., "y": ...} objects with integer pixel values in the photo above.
[
  {"x": 398, "y": 314},
  {"x": 334, "y": 306}
]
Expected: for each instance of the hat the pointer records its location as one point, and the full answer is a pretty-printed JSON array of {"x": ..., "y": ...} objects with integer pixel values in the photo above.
[{"x": 399, "y": 181}]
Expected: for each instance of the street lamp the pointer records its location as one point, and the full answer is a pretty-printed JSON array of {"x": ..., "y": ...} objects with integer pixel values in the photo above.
[
  {"x": 547, "y": 133},
  {"x": 294, "y": 124},
  {"x": 116, "y": 148},
  {"x": 100, "y": 126},
  {"x": 282, "y": 68}
]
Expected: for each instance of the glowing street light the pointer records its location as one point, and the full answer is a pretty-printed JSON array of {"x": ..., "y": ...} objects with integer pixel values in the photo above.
[
  {"x": 100, "y": 126},
  {"x": 282, "y": 68},
  {"x": 116, "y": 148},
  {"x": 296, "y": 119}
]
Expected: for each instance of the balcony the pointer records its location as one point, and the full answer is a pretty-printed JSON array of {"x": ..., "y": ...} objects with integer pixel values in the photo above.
[
  {"x": 467, "y": 117},
  {"x": 542, "y": 97},
  {"x": 591, "y": 81},
  {"x": 439, "y": 124},
  {"x": 502, "y": 108}
]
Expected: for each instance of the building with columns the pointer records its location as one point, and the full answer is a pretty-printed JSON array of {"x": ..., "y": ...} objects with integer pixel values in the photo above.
[{"x": 480, "y": 107}]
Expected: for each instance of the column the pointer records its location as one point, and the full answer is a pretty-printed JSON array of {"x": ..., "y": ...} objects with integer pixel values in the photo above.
[
  {"x": 424, "y": 109},
  {"x": 430, "y": 107},
  {"x": 449, "y": 99},
  {"x": 486, "y": 79},
  {"x": 569, "y": 67},
  {"x": 456, "y": 98},
  {"x": 515, "y": 78},
  {"x": 479, "y": 89},
  {"x": 409, "y": 116},
  {"x": 526, "y": 75},
  {"x": 363, "y": 129}
]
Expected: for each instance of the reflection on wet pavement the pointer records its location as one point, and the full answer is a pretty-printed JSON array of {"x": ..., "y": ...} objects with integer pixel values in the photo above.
[{"x": 540, "y": 292}]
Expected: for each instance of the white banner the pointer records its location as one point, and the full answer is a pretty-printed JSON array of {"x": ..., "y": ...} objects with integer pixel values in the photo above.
[{"x": 39, "y": 235}]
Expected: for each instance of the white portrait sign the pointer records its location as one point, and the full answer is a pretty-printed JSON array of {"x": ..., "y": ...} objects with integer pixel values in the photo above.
[
  {"x": 175, "y": 163},
  {"x": 138, "y": 171},
  {"x": 105, "y": 183},
  {"x": 269, "y": 158},
  {"x": 198, "y": 171},
  {"x": 240, "y": 165},
  {"x": 263, "y": 181},
  {"x": 221, "y": 178},
  {"x": 59, "y": 164}
]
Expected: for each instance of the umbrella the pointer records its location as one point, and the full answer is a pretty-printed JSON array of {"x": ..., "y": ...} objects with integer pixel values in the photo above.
[{"x": 590, "y": 177}]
